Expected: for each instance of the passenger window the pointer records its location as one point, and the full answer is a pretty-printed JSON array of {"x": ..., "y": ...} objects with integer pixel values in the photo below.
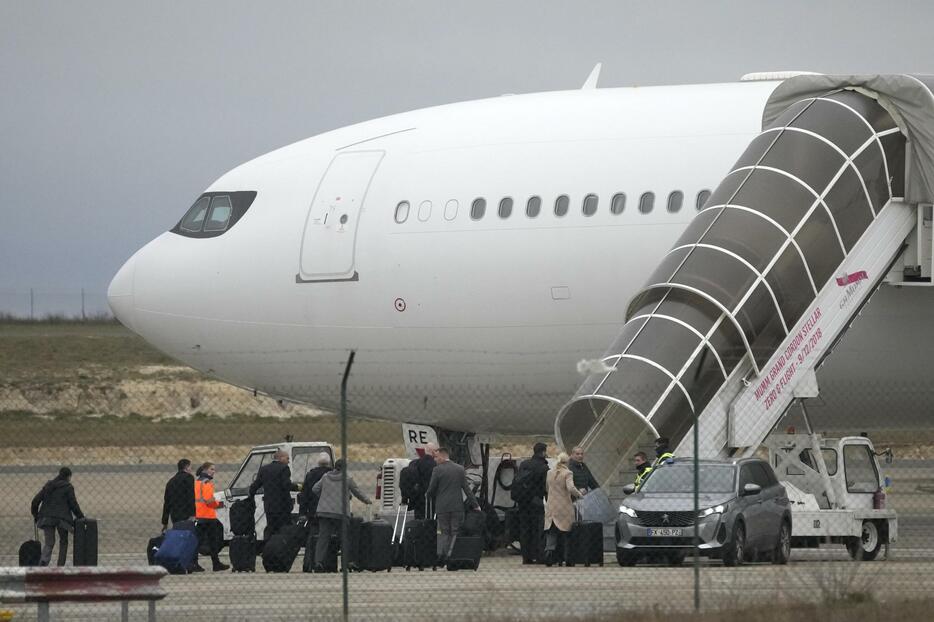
[
  {"x": 745, "y": 476},
  {"x": 402, "y": 212},
  {"x": 859, "y": 467},
  {"x": 505, "y": 208},
  {"x": 590, "y": 204},
  {"x": 450, "y": 210},
  {"x": 477, "y": 209},
  {"x": 304, "y": 459},
  {"x": 561, "y": 205},
  {"x": 534, "y": 207},
  {"x": 675, "y": 200},
  {"x": 760, "y": 475},
  {"x": 424, "y": 211},
  {"x": 702, "y": 197},
  {"x": 618, "y": 204},
  {"x": 221, "y": 208},
  {"x": 194, "y": 219},
  {"x": 646, "y": 202}
]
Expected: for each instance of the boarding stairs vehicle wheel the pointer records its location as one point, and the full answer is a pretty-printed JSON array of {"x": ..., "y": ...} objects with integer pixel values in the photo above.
[{"x": 866, "y": 546}]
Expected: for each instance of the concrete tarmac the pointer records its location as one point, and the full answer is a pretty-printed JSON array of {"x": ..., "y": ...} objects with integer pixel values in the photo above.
[{"x": 127, "y": 502}]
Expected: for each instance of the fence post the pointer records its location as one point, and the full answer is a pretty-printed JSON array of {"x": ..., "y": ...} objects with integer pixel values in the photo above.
[
  {"x": 32, "y": 304},
  {"x": 345, "y": 502},
  {"x": 84, "y": 317}
]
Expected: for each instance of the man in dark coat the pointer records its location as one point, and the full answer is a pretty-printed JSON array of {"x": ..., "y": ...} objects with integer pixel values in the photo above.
[
  {"x": 275, "y": 482},
  {"x": 178, "y": 502},
  {"x": 530, "y": 504},
  {"x": 583, "y": 478},
  {"x": 308, "y": 500},
  {"x": 424, "y": 465},
  {"x": 54, "y": 508}
]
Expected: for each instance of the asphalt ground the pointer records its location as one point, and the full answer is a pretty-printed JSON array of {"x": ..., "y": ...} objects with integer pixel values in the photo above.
[{"x": 127, "y": 503}]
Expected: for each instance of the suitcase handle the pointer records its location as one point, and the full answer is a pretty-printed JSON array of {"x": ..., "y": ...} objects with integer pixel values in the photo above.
[{"x": 403, "y": 511}]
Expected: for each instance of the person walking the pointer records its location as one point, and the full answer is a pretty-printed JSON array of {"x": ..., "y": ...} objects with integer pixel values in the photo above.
[
  {"x": 330, "y": 511},
  {"x": 210, "y": 530},
  {"x": 54, "y": 509},
  {"x": 528, "y": 491},
  {"x": 583, "y": 478},
  {"x": 643, "y": 468},
  {"x": 275, "y": 481},
  {"x": 559, "y": 510},
  {"x": 423, "y": 466},
  {"x": 307, "y": 499},
  {"x": 178, "y": 501},
  {"x": 448, "y": 482}
]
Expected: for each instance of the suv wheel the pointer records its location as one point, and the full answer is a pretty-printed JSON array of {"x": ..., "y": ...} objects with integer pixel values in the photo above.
[
  {"x": 735, "y": 553},
  {"x": 866, "y": 547},
  {"x": 782, "y": 552},
  {"x": 626, "y": 558}
]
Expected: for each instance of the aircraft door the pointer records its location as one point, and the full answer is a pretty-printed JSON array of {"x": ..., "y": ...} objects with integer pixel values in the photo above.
[{"x": 329, "y": 240}]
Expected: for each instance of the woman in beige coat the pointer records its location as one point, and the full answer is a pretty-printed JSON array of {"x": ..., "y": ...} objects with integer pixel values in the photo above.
[{"x": 559, "y": 510}]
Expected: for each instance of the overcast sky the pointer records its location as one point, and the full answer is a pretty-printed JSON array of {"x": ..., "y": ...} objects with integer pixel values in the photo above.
[{"x": 114, "y": 116}]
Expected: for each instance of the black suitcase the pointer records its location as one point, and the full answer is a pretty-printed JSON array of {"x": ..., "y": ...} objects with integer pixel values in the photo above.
[
  {"x": 243, "y": 553},
  {"x": 281, "y": 549},
  {"x": 154, "y": 544},
  {"x": 30, "y": 551},
  {"x": 374, "y": 546},
  {"x": 584, "y": 544},
  {"x": 330, "y": 560},
  {"x": 420, "y": 544},
  {"x": 352, "y": 555},
  {"x": 474, "y": 524},
  {"x": 466, "y": 552},
  {"x": 85, "y": 553},
  {"x": 242, "y": 518}
]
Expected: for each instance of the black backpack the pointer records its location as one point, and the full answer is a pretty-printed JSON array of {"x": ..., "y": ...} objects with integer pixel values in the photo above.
[
  {"x": 409, "y": 482},
  {"x": 521, "y": 489}
]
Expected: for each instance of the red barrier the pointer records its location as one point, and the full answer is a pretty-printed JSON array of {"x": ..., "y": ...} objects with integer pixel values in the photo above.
[{"x": 91, "y": 584}]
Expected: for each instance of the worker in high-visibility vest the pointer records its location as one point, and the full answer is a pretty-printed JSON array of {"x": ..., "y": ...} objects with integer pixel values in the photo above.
[
  {"x": 210, "y": 530},
  {"x": 643, "y": 467},
  {"x": 662, "y": 452}
]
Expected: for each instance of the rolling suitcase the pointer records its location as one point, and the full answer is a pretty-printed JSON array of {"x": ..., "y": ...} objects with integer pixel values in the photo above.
[
  {"x": 30, "y": 551},
  {"x": 375, "y": 546},
  {"x": 243, "y": 553},
  {"x": 584, "y": 544},
  {"x": 85, "y": 550},
  {"x": 242, "y": 518},
  {"x": 352, "y": 555},
  {"x": 152, "y": 547},
  {"x": 179, "y": 549},
  {"x": 330, "y": 560},
  {"x": 281, "y": 549},
  {"x": 398, "y": 535},
  {"x": 465, "y": 553},
  {"x": 420, "y": 544}
]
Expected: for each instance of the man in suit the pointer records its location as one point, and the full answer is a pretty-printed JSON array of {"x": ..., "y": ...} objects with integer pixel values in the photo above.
[
  {"x": 178, "y": 502},
  {"x": 530, "y": 504},
  {"x": 275, "y": 481},
  {"x": 424, "y": 466},
  {"x": 448, "y": 481}
]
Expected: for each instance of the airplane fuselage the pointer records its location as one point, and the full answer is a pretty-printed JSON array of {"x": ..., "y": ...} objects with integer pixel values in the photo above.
[{"x": 466, "y": 321}]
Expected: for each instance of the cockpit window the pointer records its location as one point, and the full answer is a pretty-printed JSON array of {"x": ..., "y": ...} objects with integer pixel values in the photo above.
[
  {"x": 221, "y": 209},
  {"x": 194, "y": 219},
  {"x": 214, "y": 213}
]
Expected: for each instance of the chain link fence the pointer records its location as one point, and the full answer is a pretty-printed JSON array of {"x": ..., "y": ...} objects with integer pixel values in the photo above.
[{"x": 94, "y": 398}]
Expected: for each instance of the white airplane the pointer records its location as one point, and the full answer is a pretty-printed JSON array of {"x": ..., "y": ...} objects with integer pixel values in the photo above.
[{"x": 471, "y": 254}]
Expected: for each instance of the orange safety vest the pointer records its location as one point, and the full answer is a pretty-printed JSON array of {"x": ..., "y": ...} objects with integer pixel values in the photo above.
[{"x": 205, "y": 505}]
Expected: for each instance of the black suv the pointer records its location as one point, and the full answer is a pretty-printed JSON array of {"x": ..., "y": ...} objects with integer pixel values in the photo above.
[{"x": 744, "y": 514}]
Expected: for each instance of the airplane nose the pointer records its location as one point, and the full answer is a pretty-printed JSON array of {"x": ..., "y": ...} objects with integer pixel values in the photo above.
[{"x": 120, "y": 293}]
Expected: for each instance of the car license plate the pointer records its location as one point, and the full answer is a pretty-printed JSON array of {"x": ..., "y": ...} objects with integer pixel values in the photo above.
[{"x": 665, "y": 532}]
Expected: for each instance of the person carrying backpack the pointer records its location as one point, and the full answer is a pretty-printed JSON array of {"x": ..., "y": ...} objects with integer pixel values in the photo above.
[
  {"x": 410, "y": 489},
  {"x": 528, "y": 491}
]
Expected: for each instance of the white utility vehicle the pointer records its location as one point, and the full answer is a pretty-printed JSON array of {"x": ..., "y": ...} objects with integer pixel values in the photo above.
[
  {"x": 838, "y": 497},
  {"x": 302, "y": 457}
]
